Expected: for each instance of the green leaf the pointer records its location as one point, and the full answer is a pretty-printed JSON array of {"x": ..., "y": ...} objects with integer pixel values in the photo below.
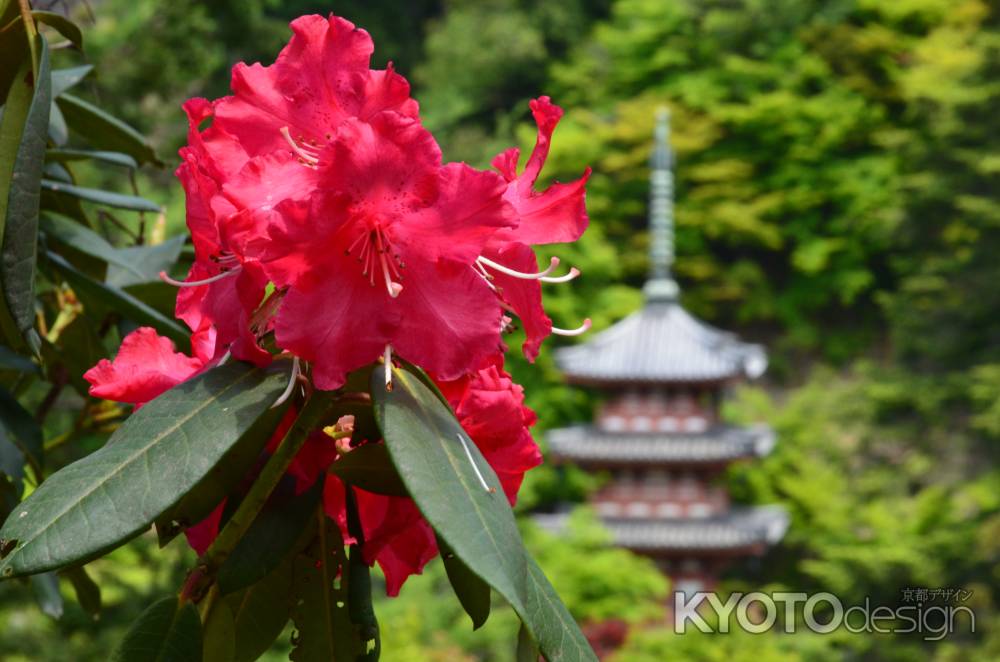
[
  {"x": 101, "y": 197},
  {"x": 319, "y": 610},
  {"x": 20, "y": 233},
  {"x": 85, "y": 240},
  {"x": 165, "y": 632},
  {"x": 550, "y": 623},
  {"x": 527, "y": 649},
  {"x": 64, "y": 79},
  {"x": 61, "y": 24},
  {"x": 77, "y": 349},
  {"x": 58, "y": 131},
  {"x": 104, "y": 131},
  {"x": 145, "y": 263},
  {"x": 219, "y": 634},
  {"x": 11, "y": 360},
  {"x": 425, "y": 443},
  {"x": 472, "y": 592},
  {"x": 272, "y": 536},
  {"x": 69, "y": 155},
  {"x": 46, "y": 589},
  {"x": 88, "y": 593},
  {"x": 151, "y": 461},
  {"x": 100, "y": 297},
  {"x": 24, "y": 431},
  {"x": 13, "y": 48},
  {"x": 261, "y": 611},
  {"x": 11, "y": 460},
  {"x": 222, "y": 481},
  {"x": 370, "y": 468}
]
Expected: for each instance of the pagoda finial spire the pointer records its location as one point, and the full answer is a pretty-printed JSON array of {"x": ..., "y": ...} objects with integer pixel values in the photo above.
[{"x": 661, "y": 285}]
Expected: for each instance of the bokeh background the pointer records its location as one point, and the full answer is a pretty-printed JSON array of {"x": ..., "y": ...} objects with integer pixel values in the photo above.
[{"x": 837, "y": 200}]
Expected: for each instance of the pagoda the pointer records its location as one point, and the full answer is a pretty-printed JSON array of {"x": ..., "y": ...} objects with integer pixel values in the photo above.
[{"x": 658, "y": 432}]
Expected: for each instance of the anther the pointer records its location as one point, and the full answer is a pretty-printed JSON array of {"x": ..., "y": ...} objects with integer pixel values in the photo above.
[
  {"x": 573, "y": 273},
  {"x": 583, "y": 328}
]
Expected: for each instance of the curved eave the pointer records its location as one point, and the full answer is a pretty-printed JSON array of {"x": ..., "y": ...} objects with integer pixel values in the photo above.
[
  {"x": 588, "y": 446},
  {"x": 661, "y": 343}
]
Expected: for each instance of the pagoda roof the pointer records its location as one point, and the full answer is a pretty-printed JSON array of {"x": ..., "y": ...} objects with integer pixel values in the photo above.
[
  {"x": 737, "y": 529},
  {"x": 661, "y": 343},
  {"x": 586, "y": 444}
]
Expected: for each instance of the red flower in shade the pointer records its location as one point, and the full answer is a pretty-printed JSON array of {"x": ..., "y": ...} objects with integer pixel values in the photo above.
[
  {"x": 557, "y": 214},
  {"x": 383, "y": 254},
  {"x": 490, "y": 407}
]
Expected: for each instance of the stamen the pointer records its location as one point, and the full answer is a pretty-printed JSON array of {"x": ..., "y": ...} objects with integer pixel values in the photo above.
[
  {"x": 468, "y": 454},
  {"x": 196, "y": 283},
  {"x": 392, "y": 287},
  {"x": 387, "y": 358},
  {"x": 580, "y": 330},
  {"x": 225, "y": 357},
  {"x": 310, "y": 159},
  {"x": 553, "y": 263},
  {"x": 291, "y": 384},
  {"x": 573, "y": 273}
]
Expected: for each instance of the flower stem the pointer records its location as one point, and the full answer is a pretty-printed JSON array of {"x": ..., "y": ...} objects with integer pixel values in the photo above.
[{"x": 310, "y": 418}]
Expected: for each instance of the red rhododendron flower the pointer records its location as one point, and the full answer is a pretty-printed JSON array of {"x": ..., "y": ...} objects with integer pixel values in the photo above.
[
  {"x": 490, "y": 407},
  {"x": 383, "y": 255},
  {"x": 557, "y": 214}
]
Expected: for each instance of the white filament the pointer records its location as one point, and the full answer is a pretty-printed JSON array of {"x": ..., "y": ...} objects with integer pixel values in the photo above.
[
  {"x": 195, "y": 283},
  {"x": 291, "y": 384},
  {"x": 553, "y": 263},
  {"x": 298, "y": 149},
  {"x": 583, "y": 328},
  {"x": 387, "y": 358}
]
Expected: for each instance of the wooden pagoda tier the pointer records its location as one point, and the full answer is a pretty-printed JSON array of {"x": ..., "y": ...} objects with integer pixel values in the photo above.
[{"x": 658, "y": 432}]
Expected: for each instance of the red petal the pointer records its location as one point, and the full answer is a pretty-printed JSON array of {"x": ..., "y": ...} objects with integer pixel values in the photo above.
[
  {"x": 524, "y": 296},
  {"x": 146, "y": 366}
]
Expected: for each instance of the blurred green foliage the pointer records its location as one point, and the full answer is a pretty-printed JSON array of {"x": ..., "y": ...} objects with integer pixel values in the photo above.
[{"x": 837, "y": 178}]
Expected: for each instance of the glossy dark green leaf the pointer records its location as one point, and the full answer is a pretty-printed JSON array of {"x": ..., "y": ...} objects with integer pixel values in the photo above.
[
  {"x": 83, "y": 239},
  {"x": 424, "y": 441},
  {"x": 103, "y": 131},
  {"x": 319, "y": 611},
  {"x": 13, "y": 47},
  {"x": 101, "y": 197},
  {"x": 20, "y": 234},
  {"x": 21, "y": 427},
  {"x": 370, "y": 468},
  {"x": 151, "y": 461},
  {"x": 527, "y": 649},
  {"x": 64, "y": 79},
  {"x": 11, "y": 460},
  {"x": 472, "y": 592},
  {"x": 46, "y": 589},
  {"x": 88, "y": 593},
  {"x": 11, "y": 360},
  {"x": 165, "y": 632},
  {"x": 145, "y": 263},
  {"x": 219, "y": 634},
  {"x": 261, "y": 611},
  {"x": 62, "y": 25},
  {"x": 275, "y": 533},
  {"x": 426, "y": 445},
  {"x": 222, "y": 481},
  {"x": 552, "y": 626},
  {"x": 70, "y": 155},
  {"x": 100, "y": 297}
]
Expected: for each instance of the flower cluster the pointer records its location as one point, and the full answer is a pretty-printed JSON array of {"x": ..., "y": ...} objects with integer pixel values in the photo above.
[{"x": 326, "y": 223}]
